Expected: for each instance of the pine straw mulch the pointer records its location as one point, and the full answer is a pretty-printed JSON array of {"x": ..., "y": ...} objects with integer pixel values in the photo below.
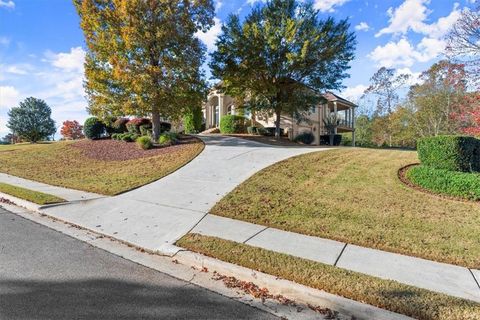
[{"x": 114, "y": 150}]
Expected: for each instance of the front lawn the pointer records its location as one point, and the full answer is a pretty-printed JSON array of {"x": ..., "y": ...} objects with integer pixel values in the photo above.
[
  {"x": 29, "y": 195},
  {"x": 104, "y": 166},
  {"x": 355, "y": 196},
  {"x": 386, "y": 294}
]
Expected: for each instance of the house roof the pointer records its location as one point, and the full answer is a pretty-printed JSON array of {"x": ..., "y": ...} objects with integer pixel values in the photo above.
[{"x": 330, "y": 96}]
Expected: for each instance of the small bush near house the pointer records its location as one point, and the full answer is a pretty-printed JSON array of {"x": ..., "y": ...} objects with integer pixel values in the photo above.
[
  {"x": 120, "y": 125},
  {"x": 144, "y": 142},
  {"x": 232, "y": 124},
  {"x": 252, "y": 130},
  {"x": 146, "y": 129},
  {"x": 305, "y": 137},
  {"x": 93, "y": 128},
  {"x": 167, "y": 139},
  {"x": 108, "y": 122},
  {"x": 133, "y": 126},
  {"x": 459, "y": 184},
  {"x": 454, "y": 153}
]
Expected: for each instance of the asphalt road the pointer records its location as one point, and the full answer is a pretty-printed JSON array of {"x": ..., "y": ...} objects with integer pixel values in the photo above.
[{"x": 47, "y": 275}]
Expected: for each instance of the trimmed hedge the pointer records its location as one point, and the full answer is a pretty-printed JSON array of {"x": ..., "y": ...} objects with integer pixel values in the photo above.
[
  {"x": 93, "y": 128},
  {"x": 459, "y": 184},
  {"x": 454, "y": 153},
  {"x": 232, "y": 124},
  {"x": 192, "y": 120}
]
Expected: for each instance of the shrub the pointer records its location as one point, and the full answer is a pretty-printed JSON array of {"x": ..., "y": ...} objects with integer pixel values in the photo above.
[
  {"x": 192, "y": 121},
  {"x": 108, "y": 121},
  {"x": 232, "y": 124},
  {"x": 114, "y": 136},
  {"x": 120, "y": 125},
  {"x": 305, "y": 137},
  {"x": 72, "y": 130},
  {"x": 146, "y": 130},
  {"x": 453, "y": 183},
  {"x": 127, "y": 137},
  {"x": 252, "y": 130},
  {"x": 144, "y": 142},
  {"x": 168, "y": 139},
  {"x": 133, "y": 126},
  {"x": 454, "y": 153},
  {"x": 93, "y": 128},
  {"x": 325, "y": 139}
]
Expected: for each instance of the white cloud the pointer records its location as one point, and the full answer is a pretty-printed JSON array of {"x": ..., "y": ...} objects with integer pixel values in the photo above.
[
  {"x": 362, "y": 26},
  {"x": 70, "y": 61},
  {"x": 7, "y": 4},
  {"x": 211, "y": 35},
  {"x": 354, "y": 93},
  {"x": 218, "y": 5},
  {"x": 9, "y": 97},
  {"x": 4, "y": 41},
  {"x": 404, "y": 54},
  {"x": 413, "y": 14},
  {"x": 328, "y": 5}
]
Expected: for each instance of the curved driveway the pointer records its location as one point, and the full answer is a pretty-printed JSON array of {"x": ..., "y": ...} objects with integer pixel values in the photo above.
[{"x": 156, "y": 215}]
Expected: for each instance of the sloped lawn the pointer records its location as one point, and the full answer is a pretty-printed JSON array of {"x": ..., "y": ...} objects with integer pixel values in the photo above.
[
  {"x": 355, "y": 196},
  {"x": 104, "y": 166}
]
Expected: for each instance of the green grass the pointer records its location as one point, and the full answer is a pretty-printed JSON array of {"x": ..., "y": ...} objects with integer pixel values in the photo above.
[
  {"x": 355, "y": 196},
  {"x": 62, "y": 165},
  {"x": 29, "y": 195},
  {"x": 452, "y": 183},
  {"x": 386, "y": 294}
]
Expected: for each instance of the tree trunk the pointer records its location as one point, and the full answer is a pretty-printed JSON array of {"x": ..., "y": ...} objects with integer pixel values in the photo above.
[
  {"x": 277, "y": 124},
  {"x": 155, "y": 124},
  {"x": 332, "y": 137}
]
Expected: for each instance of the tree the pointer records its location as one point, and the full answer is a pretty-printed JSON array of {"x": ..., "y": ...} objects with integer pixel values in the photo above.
[
  {"x": 331, "y": 122},
  {"x": 31, "y": 120},
  {"x": 363, "y": 131},
  {"x": 437, "y": 101},
  {"x": 72, "y": 130},
  {"x": 281, "y": 54},
  {"x": 463, "y": 41},
  {"x": 385, "y": 85},
  {"x": 143, "y": 56}
]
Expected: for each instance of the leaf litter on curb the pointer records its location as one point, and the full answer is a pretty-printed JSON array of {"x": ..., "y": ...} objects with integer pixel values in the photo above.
[{"x": 263, "y": 294}]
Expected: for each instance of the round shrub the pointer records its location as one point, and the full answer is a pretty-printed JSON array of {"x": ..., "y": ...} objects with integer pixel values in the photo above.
[
  {"x": 144, "y": 142},
  {"x": 93, "y": 128},
  {"x": 133, "y": 126},
  {"x": 146, "y": 130},
  {"x": 232, "y": 124},
  {"x": 305, "y": 137},
  {"x": 168, "y": 139},
  {"x": 252, "y": 130}
]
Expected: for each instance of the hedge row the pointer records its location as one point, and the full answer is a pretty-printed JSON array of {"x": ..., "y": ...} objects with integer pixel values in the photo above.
[
  {"x": 232, "y": 124},
  {"x": 454, "y": 153},
  {"x": 453, "y": 183}
]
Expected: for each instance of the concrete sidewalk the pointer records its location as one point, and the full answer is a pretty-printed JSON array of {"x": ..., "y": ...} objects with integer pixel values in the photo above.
[
  {"x": 440, "y": 277},
  {"x": 64, "y": 193}
]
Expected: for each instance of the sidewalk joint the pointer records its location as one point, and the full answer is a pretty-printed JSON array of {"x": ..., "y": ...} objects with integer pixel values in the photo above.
[
  {"x": 475, "y": 279},
  {"x": 256, "y": 234},
  {"x": 341, "y": 252}
]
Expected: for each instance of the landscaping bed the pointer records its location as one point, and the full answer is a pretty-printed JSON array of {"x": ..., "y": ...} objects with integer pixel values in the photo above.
[
  {"x": 101, "y": 166},
  {"x": 386, "y": 294},
  {"x": 29, "y": 195},
  {"x": 355, "y": 196}
]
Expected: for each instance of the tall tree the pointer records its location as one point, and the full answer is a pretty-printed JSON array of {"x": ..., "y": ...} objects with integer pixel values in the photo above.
[
  {"x": 384, "y": 84},
  {"x": 31, "y": 120},
  {"x": 72, "y": 130},
  {"x": 438, "y": 99},
  {"x": 143, "y": 56},
  {"x": 463, "y": 41},
  {"x": 280, "y": 53}
]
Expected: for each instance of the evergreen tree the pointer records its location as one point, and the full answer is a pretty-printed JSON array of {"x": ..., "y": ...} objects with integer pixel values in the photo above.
[{"x": 31, "y": 120}]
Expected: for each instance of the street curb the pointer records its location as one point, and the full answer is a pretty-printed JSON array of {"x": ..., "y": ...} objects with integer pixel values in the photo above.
[
  {"x": 21, "y": 203},
  {"x": 290, "y": 289}
]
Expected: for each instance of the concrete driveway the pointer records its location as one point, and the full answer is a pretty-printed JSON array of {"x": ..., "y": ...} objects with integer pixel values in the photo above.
[{"x": 156, "y": 215}]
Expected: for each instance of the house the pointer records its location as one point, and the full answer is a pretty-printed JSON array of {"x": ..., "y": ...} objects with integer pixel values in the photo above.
[{"x": 219, "y": 104}]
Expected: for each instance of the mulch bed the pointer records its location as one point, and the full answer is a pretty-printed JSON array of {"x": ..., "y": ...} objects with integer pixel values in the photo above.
[{"x": 114, "y": 150}]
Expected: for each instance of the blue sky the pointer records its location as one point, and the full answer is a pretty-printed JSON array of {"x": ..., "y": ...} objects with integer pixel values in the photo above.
[{"x": 42, "y": 46}]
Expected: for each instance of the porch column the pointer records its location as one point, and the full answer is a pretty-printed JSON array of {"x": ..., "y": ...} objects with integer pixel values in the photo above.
[
  {"x": 353, "y": 126},
  {"x": 207, "y": 116},
  {"x": 336, "y": 113},
  {"x": 220, "y": 108}
]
